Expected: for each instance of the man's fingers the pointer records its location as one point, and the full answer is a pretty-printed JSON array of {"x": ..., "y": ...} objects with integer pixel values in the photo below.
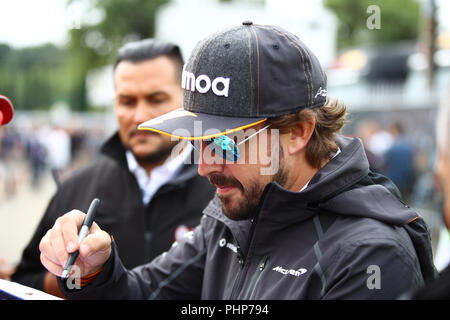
[
  {"x": 46, "y": 248},
  {"x": 62, "y": 240},
  {"x": 54, "y": 268},
  {"x": 58, "y": 246},
  {"x": 69, "y": 225},
  {"x": 96, "y": 242},
  {"x": 94, "y": 228}
]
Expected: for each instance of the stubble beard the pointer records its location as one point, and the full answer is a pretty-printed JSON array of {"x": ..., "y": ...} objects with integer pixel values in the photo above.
[{"x": 247, "y": 206}]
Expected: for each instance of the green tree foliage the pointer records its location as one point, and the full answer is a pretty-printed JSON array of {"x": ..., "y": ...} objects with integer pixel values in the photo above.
[
  {"x": 37, "y": 77},
  {"x": 400, "y": 20},
  {"x": 95, "y": 45},
  {"x": 32, "y": 77}
]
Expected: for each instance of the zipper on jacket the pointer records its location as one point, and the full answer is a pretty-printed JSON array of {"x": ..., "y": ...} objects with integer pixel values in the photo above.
[
  {"x": 255, "y": 278},
  {"x": 241, "y": 262},
  {"x": 242, "y": 259}
]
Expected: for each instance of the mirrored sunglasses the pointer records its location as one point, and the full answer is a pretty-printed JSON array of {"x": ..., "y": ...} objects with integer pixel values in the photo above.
[{"x": 226, "y": 147}]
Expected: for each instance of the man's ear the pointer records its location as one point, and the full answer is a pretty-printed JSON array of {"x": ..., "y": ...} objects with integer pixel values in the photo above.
[{"x": 300, "y": 134}]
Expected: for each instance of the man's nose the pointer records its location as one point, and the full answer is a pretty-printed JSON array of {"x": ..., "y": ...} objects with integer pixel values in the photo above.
[
  {"x": 144, "y": 112},
  {"x": 209, "y": 162}
]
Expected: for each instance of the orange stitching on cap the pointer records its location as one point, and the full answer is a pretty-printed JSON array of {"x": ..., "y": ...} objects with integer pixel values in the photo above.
[
  {"x": 305, "y": 68},
  {"x": 303, "y": 61},
  {"x": 308, "y": 69},
  {"x": 257, "y": 64},
  {"x": 250, "y": 68}
]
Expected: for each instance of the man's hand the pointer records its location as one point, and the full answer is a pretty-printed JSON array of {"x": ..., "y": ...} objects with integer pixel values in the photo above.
[{"x": 62, "y": 239}]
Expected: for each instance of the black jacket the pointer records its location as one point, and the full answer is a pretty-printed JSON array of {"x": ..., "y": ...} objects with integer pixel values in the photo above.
[
  {"x": 141, "y": 232},
  {"x": 346, "y": 236},
  {"x": 439, "y": 289}
]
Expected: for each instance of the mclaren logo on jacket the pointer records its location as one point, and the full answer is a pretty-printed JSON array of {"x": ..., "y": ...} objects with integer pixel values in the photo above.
[{"x": 296, "y": 273}]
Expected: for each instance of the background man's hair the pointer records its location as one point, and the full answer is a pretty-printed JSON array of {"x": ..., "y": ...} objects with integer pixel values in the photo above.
[
  {"x": 329, "y": 118},
  {"x": 139, "y": 51}
]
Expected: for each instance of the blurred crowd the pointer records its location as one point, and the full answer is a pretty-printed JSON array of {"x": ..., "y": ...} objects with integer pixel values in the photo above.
[
  {"x": 396, "y": 153},
  {"x": 391, "y": 152},
  {"x": 28, "y": 155}
]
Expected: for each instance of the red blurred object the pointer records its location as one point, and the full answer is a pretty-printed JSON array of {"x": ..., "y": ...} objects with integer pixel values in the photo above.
[{"x": 6, "y": 110}]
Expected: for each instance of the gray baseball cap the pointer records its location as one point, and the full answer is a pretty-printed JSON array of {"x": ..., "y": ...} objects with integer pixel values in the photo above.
[{"x": 239, "y": 77}]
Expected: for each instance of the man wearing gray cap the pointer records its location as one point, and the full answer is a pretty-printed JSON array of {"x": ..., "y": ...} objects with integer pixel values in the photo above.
[{"x": 297, "y": 213}]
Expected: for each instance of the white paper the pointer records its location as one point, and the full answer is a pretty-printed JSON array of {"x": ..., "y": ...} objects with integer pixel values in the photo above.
[{"x": 23, "y": 292}]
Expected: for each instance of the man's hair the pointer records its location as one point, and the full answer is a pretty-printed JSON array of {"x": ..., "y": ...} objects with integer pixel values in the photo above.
[
  {"x": 148, "y": 49},
  {"x": 329, "y": 118}
]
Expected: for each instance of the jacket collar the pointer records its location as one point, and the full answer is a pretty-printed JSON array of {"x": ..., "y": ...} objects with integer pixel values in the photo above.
[{"x": 114, "y": 149}]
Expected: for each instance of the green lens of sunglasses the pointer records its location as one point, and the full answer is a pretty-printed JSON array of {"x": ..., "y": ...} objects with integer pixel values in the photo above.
[{"x": 225, "y": 144}]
